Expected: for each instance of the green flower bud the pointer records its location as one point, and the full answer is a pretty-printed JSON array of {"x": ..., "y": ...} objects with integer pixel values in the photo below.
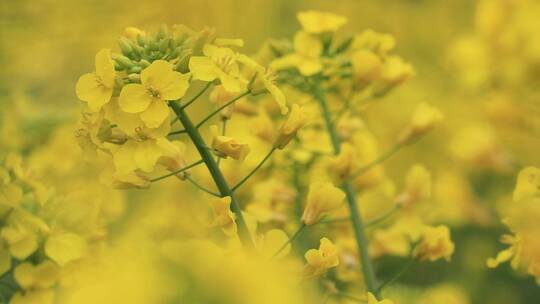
[
  {"x": 183, "y": 63},
  {"x": 141, "y": 40},
  {"x": 134, "y": 77},
  {"x": 124, "y": 61},
  {"x": 144, "y": 63},
  {"x": 135, "y": 69},
  {"x": 164, "y": 44},
  {"x": 125, "y": 46},
  {"x": 163, "y": 31}
]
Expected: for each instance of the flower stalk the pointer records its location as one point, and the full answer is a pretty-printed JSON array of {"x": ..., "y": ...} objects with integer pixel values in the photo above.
[
  {"x": 214, "y": 170},
  {"x": 356, "y": 220}
]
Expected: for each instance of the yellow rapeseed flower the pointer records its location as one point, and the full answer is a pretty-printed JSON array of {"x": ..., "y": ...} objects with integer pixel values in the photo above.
[
  {"x": 315, "y": 22},
  {"x": 435, "y": 244},
  {"x": 97, "y": 88},
  {"x": 322, "y": 259},
  {"x": 159, "y": 84},
  {"x": 323, "y": 197},
  {"x": 223, "y": 217},
  {"x": 295, "y": 121}
]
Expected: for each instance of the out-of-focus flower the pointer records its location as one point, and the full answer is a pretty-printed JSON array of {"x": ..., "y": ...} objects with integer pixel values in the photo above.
[
  {"x": 315, "y": 22},
  {"x": 423, "y": 120},
  {"x": 306, "y": 57},
  {"x": 435, "y": 244},
  {"x": 223, "y": 217},
  {"x": 295, "y": 121},
  {"x": 322, "y": 199}
]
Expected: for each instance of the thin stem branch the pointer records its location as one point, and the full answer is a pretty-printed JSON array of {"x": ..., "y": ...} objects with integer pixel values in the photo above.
[
  {"x": 356, "y": 220},
  {"x": 195, "y": 97},
  {"x": 230, "y": 102},
  {"x": 383, "y": 217},
  {"x": 290, "y": 240},
  {"x": 223, "y": 132},
  {"x": 396, "y": 276},
  {"x": 177, "y": 132},
  {"x": 197, "y": 185},
  {"x": 378, "y": 160},
  {"x": 216, "y": 174},
  {"x": 177, "y": 171},
  {"x": 245, "y": 179}
]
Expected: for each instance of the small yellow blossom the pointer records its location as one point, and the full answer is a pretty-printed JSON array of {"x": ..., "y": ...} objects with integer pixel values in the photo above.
[
  {"x": 223, "y": 217},
  {"x": 371, "y": 299},
  {"x": 159, "y": 84},
  {"x": 315, "y": 22},
  {"x": 30, "y": 276},
  {"x": 218, "y": 63},
  {"x": 344, "y": 163},
  {"x": 322, "y": 259},
  {"x": 295, "y": 121},
  {"x": 394, "y": 72},
  {"x": 435, "y": 244},
  {"x": 376, "y": 42},
  {"x": 423, "y": 120},
  {"x": 367, "y": 66},
  {"x": 225, "y": 146},
  {"x": 323, "y": 197},
  {"x": 65, "y": 247},
  {"x": 133, "y": 32},
  {"x": 306, "y": 58},
  {"x": 417, "y": 186},
  {"x": 97, "y": 88},
  {"x": 528, "y": 184}
]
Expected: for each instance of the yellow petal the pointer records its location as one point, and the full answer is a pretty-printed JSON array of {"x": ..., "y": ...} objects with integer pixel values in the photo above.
[
  {"x": 123, "y": 158},
  {"x": 134, "y": 98},
  {"x": 105, "y": 67},
  {"x": 307, "y": 45},
  {"x": 313, "y": 257},
  {"x": 273, "y": 241},
  {"x": 90, "y": 90},
  {"x": 24, "y": 275},
  {"x": 230, "y": 83},
  {"x": 308, "y": 67},
  {"x": 202, "y": 68},
  {"x": 147, "y": 154},
  {"x": 64, "y": 248},
  {"x": 176, "y": 88},
  {"x": 155, "y": 114}
]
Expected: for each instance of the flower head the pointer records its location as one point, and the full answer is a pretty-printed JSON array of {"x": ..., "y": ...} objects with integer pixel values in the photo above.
[
  {"x": 223, "y": 217},
  {"x": 97, "y": 88},
  {"x": 159, "y": 84},
  {"x": 295, "y": 121}
]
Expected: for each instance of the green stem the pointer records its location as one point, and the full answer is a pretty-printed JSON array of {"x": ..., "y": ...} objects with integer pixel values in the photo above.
[
  {"x": 198, "y": 186},
  {"x": 177, "y": 171},
  {"x": 356, "y": 220},
  {"x": 383, "y": 217},
  {"x": 396, "y": 276},
  {"x": 291, "y": 239},
  {"x": 379, "y": 160},
  {"x": 223, "y": 132},
  {"x": 254, "y": 169},
  {"x": 176, "y": 132},
  {"x": 230, "y": 102},
  {"x": 216, "y": 174}
]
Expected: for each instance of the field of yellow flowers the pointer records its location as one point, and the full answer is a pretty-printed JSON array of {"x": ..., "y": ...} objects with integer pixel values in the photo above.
[{"x": 253, "y": 152}]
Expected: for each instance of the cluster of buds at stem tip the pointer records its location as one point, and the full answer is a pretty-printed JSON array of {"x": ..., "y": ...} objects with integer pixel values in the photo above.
[{"x": 140, "y": 49}]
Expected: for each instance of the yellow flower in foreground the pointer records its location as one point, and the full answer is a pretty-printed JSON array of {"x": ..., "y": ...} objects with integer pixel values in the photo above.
[
  {"x": 97, "y": 88},
  {"x": 42, "y": 296},
  {"x": 65, "y": 247},
  {"x": 417, "y": 186},
  {"x": 223, "y": 217},
  {"x": 435, "y": 244},
  {"x": 315, "y": 22},
  {"x": 322, "y": 198},
  {"x": 528, "y": 184},
  {"x": 31, "y": 276},
  {"x": 159, "y": 84},
  {"x": 217, "y": 63},
  {"x": 371, "y": 299},
  {"x": 322, "y": 259},
  {"x": 296, "y": 120}
]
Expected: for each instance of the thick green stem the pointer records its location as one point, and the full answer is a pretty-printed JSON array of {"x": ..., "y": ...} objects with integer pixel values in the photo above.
[
  {"x": 356, "y": 220},
  {"x": 216, "y": 174}
]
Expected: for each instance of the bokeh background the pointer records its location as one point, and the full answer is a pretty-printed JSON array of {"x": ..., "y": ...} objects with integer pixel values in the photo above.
[{"x": 490, "y": 97}]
